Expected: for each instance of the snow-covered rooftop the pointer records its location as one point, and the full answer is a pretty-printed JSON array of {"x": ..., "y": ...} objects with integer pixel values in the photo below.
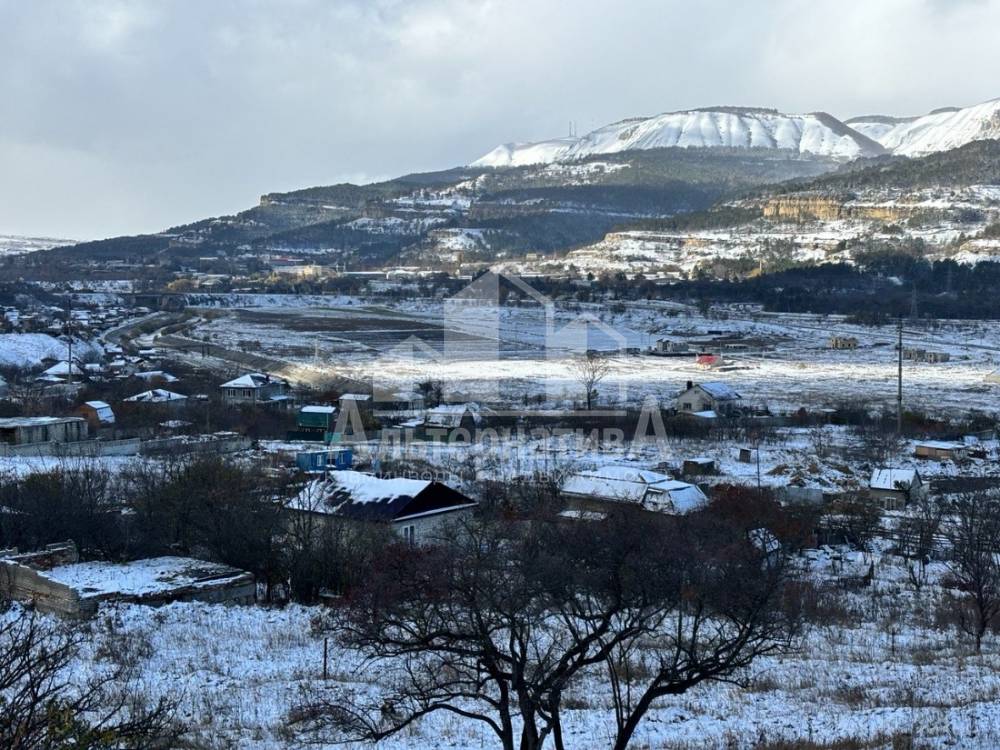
[
  {"x": 893, "y": 479},
  {"x": 12, "y": 422},
  {"x": 719, "y": 391},
  {"x": 648, "y": 489},
  {"x": 104, "y": 411},
  {"x": 358, "y": 495},
  {"x": 156, "y": 396},
  {"x": 319, "y": 409}
]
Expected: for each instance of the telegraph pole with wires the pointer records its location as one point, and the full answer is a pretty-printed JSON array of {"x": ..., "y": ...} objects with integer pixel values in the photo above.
[
  {"x": 899, "y": 380},
  {"x": 68, "y": 329}
]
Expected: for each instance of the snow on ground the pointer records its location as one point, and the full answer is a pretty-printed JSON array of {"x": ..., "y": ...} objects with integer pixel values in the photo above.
[
  {"x": 11, "y": 466},
  {"x": 879, "y": 666},
  {"x": 814, "y": 134},
  {"x": 29, "y": 349},
  {"x": 800, "y": 370},
  {"x": 17, "y": 245}
]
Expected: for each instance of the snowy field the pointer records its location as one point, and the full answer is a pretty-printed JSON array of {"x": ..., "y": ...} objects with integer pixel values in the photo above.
[
  {"x": 18, "y": 245},
  {"x": 879, "y": 667},
  {"x": 29, "y": 349},
  {"x": 397, "y": 348}
]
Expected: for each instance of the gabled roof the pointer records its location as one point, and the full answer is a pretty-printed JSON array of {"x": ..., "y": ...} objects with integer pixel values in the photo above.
[
  {"x": 63, "y": 368},
  {"x": 156, "y": 396},
  {"x": 719, "y": 391},
  {"x": 451, "y": 415},
  {"x": 647, "y": 489},
  {"x": 897, "y": 480},
  {"x": 358, "y": 496},
  {"x": 254, "y": 380},
  {"x": 250, "y": 380}
]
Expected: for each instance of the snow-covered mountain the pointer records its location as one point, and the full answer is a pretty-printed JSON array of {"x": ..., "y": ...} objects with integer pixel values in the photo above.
[
  {"x": 817, "y": 134},
  {"x": 876, "y": 126},
  {"x": 941, "y": 130}
]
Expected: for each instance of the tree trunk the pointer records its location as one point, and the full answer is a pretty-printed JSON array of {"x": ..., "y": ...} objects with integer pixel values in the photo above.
[
  {"x": 557, "y": 737},
  {"x": 631, "y": 723}
]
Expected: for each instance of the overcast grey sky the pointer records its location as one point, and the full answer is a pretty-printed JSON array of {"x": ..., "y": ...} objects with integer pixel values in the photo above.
[{"x": 124, "y": 116}]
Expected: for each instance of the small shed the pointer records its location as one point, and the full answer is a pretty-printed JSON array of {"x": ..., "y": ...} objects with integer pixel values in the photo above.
[
  {"x": 843, "y": 342},
  {"x": 698, "y": 467},
  {"x": 31, "y": 430},
  {"x": 320, "y": 461},
  {"x": 941, "y": 450},
  {"x": 317, "y": 417},
  {"x": 97, "y": 413}
]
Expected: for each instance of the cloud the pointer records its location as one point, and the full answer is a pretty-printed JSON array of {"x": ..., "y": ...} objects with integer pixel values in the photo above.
[{"x": 132, "y": 116}]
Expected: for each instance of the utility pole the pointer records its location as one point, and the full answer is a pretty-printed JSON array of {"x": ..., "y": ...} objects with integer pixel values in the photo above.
[
  {"x": 899, "y": 381},
  {"x": 69, "y": 339}
]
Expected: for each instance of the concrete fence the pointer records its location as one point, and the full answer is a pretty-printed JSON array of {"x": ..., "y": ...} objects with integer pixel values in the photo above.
[
  {"x": 231, "y": 443},
  {"x": 81, "y": 449},
  {"x": 180, "y": 445}
]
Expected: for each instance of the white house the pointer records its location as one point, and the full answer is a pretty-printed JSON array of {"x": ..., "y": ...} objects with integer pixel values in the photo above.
[
  {"x": 895, "y": 488},
  {"x": 256, "y": 388},
  {"x": 705, "y": 397}
]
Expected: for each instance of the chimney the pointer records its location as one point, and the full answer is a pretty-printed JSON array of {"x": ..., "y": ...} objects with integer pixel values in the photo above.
[{"x": 690, "y": 385}]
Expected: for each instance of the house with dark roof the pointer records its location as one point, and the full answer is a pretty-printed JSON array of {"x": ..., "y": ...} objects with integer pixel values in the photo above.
[
  {"x": 415, "y": 509},
  {"x": 708, "y": 397}
]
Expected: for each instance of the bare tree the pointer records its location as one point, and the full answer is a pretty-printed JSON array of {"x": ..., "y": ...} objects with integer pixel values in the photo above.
[
  {"x": 880, "y": 444},
  {"x": 730, "y": 605},
  {"x": 974, "y": 535},
  {"x": 859, "y": 518},
  {"x": 916, "y": 534},
  {"x": 499, "y": 622},
  {"x": 43, "y": 704},
  {"x": 589, "y": 370}
]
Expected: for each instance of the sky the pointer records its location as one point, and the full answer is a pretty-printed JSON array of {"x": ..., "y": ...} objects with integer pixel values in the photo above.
[{"x": 130, "y": 116}]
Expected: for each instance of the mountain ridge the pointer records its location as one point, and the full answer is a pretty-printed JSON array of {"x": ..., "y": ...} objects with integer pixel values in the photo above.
[{"x": 818, "y": 134}]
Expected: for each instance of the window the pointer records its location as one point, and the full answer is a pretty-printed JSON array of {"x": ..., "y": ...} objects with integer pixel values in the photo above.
[{"x": 410, "y": 535}]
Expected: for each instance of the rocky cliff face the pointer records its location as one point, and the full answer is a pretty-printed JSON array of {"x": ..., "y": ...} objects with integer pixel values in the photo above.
[{"x": 801, "y": 209}]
